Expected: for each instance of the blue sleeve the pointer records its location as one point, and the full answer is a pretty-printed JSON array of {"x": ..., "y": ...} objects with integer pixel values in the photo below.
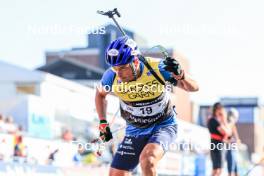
[
  {"x": 108, "y": 78},
  {"x": 166, "y": 74}
]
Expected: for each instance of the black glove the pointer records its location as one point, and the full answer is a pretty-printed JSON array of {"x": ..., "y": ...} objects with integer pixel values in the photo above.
[
  {"x": 173, "y": 66},
  {"x": 105, "y": 132}
]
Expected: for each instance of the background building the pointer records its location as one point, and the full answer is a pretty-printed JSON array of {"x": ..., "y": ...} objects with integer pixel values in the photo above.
[{"x": 40, "y": 102}]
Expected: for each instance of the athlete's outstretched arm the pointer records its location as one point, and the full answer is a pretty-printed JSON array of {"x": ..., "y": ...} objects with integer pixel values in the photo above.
[
  {"x": 100, "y": 102},
  {"x": 187, "y": 84},
  {"x": 184, "y": 81}
]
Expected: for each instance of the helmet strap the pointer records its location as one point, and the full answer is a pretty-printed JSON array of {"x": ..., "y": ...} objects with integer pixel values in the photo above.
[{"x": 134, "y": 71}]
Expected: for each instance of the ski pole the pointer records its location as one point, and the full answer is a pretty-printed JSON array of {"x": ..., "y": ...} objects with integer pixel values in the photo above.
[{"x": 111, "y": 14}]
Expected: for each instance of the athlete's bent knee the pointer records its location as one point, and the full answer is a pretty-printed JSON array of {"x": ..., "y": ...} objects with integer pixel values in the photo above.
[{"x": 148, "y": 164}]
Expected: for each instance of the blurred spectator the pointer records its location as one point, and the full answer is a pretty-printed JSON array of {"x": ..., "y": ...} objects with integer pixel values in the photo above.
[
  {"x": 20, "y": 131},
  {"x": 77, "y": 158},
  {"x": 19, "y": 150},
  {"x": 9, "y": 125},
  {"x": 218, "y": 129},
  {"x": 51, "y": 158},
  {"x": 67, "y": 135},
  {"x": 2, "y": 149},
  {"x": 231, "y": 154},
  {"x": 2, "y": 123},
  {"x": 90, "y": 157}
]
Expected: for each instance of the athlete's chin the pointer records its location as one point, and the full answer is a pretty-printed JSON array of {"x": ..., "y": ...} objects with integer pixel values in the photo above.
[{"x": 125, "y": 79}]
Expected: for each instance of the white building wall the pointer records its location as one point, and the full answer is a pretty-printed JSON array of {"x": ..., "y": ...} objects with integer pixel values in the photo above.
[{"x": 78, "y": 104}]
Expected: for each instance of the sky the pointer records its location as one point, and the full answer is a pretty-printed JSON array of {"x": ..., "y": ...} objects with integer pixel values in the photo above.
[{"x": 223, "y": 40}]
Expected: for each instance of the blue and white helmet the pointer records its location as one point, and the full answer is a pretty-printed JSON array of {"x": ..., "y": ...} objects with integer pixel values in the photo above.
[{"x": 121, "y": 51}]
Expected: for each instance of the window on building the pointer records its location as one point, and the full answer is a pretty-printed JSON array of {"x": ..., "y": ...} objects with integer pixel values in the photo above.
[
  {"x": 88, "y": 73},
  {"x": 69, "y": 75},
  {"x": 26, "y": 89}
]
